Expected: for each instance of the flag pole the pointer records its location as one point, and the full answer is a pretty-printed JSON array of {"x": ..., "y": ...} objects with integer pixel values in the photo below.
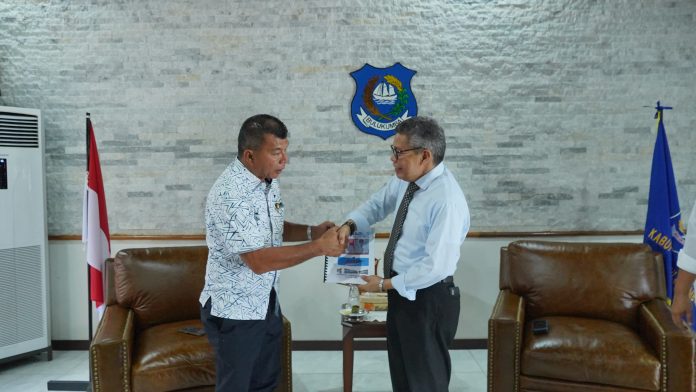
[{"x": 89, "y": 280}]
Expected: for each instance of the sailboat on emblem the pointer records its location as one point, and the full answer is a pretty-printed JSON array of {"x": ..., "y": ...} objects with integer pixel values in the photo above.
[{"x": 384, "y": 94}]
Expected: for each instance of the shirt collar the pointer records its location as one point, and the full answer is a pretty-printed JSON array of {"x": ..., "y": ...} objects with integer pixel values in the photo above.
[
  {"x": 251, "y": 182},
  {"x": 428, "y": 178}
]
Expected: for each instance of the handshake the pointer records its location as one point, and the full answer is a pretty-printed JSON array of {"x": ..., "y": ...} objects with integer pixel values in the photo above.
[{"x": 332, "y": 240}]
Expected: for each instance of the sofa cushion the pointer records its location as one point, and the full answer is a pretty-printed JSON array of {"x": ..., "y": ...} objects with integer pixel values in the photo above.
[
  {"x": 166, "y": 359},
  {"x": 590, "y": 351}
]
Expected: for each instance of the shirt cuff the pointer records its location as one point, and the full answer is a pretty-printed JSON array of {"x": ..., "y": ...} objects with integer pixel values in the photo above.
[
  {"x": 400, "y": 286},
  {"x": 686, "y": 262}
]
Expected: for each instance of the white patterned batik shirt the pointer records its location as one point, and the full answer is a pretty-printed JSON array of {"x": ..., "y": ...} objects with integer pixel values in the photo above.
[{"x": 242, "y": 214}]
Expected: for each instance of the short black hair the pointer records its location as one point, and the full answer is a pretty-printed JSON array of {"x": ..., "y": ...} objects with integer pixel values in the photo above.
[
  {"x": 253, "y": 130},
  {"x": 426, "y": 133}
]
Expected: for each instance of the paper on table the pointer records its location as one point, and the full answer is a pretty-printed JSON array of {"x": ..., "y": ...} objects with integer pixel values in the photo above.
[{"x": 377, "y": 315}]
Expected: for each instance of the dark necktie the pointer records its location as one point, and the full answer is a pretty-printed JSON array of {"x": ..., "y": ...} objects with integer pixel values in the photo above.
[{"x": 396, "y": 229}]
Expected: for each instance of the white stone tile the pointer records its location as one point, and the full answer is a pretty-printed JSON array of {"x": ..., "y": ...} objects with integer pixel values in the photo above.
[
  {"x": 33, "y": 373},
  {"x": 317, "y": 362},
  {"x": 463, "y": 362},
  {"x": 79, "y": 373},
  {"x": 313, "y": 371},
  {"x": 333, "y": 382},
  {"x": 371, "y": 362},
  {"x": 372, "y": 382},
  {"x": 25, "y": 383},
  {"x": 481, "y": 357},
  {"x": 38, "y": 365},
  {"x": 317, "y": 382},
  {"x": 468, "y": 382},
  {"x": 7, "y": 379}
]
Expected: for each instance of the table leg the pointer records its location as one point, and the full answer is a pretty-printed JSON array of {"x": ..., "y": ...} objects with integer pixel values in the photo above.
[{"x": 347, "y": 359}]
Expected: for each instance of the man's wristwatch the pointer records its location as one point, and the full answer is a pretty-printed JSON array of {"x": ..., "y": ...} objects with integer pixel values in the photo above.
[
  {"x": 381, "y": 285},
  {"x": 351, "y": 226},
  {"x": 309, "y": 233}
]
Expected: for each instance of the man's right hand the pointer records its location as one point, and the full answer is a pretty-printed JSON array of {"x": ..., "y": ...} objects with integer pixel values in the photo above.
[
  {"x": 329, "y": 243},
  {"x": 681, "y": 304},
  {"x": 343, "y": 233},
  {"x": 681, "y": 310}
]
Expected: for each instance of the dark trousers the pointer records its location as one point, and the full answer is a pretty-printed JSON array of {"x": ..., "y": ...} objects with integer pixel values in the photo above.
[
  {"x": 247, "y": 352},
  {"x": 419, "y": 334}
]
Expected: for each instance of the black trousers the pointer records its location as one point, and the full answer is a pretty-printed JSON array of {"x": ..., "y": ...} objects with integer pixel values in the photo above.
[
  {"x": 419, "y": 334},
  {"x": 247, "y": 352}
]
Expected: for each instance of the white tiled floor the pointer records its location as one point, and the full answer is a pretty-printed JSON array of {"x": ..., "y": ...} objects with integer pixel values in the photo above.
[
  {"x": 320, "y": 371},
  {"x": 31, "y": 374},
  {"x": 312, "y": 371}
]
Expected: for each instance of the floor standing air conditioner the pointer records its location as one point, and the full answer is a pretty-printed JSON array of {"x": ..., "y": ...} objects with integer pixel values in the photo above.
[{"x": 24, "y": 305}]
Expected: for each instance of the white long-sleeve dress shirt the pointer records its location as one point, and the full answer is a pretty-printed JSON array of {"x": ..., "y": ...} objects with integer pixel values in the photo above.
[
  {"x": 436, "y": 224},
  {"x": 687, "y": 255}
]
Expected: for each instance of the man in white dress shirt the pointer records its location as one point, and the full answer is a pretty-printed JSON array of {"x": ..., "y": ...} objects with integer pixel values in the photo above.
[
  {"x": 681, "y": 303},
  {"x": 431, "y": 222},
  {"x": 245, "y": 230}
]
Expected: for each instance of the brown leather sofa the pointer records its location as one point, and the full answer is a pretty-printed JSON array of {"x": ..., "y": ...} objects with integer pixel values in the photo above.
[
  {"x": 151, "y": 293},
  {"x": 609, "y": 326}
]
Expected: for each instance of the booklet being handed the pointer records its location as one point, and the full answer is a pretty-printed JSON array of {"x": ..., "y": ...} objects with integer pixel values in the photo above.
[{"x": 357, "y": 260}]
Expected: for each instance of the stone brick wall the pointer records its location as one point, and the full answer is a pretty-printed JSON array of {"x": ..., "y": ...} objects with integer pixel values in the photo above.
[{"x": 542, "y": 101}]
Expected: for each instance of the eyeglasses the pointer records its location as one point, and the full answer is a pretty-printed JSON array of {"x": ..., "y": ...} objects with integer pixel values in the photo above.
[{"x": 397, "y": 153}]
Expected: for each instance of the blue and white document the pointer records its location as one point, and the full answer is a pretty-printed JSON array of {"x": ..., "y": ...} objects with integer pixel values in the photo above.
[{"x": 357, "y": 260}]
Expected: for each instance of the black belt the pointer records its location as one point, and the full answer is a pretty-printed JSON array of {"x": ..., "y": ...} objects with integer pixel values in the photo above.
[{"x": 447, "y": 280}]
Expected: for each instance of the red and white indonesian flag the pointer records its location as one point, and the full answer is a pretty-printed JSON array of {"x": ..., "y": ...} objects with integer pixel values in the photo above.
[{"x": 95, "y": 224}]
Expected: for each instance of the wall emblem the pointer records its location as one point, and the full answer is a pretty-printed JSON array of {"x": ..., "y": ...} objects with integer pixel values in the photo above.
[{"x": 383, "y": 99}]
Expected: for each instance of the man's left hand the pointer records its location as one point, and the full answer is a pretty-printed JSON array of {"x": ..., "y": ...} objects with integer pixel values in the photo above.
[
  {"x": 320, "y": 229},
  {"x": 371, "y": 285}
]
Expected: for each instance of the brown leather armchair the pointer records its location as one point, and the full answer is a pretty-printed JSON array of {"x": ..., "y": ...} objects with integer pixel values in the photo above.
[
  {"x": 610, "y": 328},
  {"x": 151, "y": 293}
]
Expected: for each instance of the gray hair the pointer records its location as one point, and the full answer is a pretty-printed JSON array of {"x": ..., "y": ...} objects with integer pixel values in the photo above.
[{"x": 424, "y": 132}]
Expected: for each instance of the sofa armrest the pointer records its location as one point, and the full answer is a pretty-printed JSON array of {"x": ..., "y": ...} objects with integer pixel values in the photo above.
[
  {"x": 674, "y": 346},
  {"x": 505, "y": 331},
  {"x": 111, "y": 350}
]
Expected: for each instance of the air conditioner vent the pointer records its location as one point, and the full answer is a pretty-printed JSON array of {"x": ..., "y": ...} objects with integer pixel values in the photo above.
[
  {"x": 19, "y": 130},
  {"x": 21, "y": 305}
]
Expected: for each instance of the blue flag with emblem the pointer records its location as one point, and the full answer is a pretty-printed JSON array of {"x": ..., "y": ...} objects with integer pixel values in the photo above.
[{"x": 664, "y": 230}]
